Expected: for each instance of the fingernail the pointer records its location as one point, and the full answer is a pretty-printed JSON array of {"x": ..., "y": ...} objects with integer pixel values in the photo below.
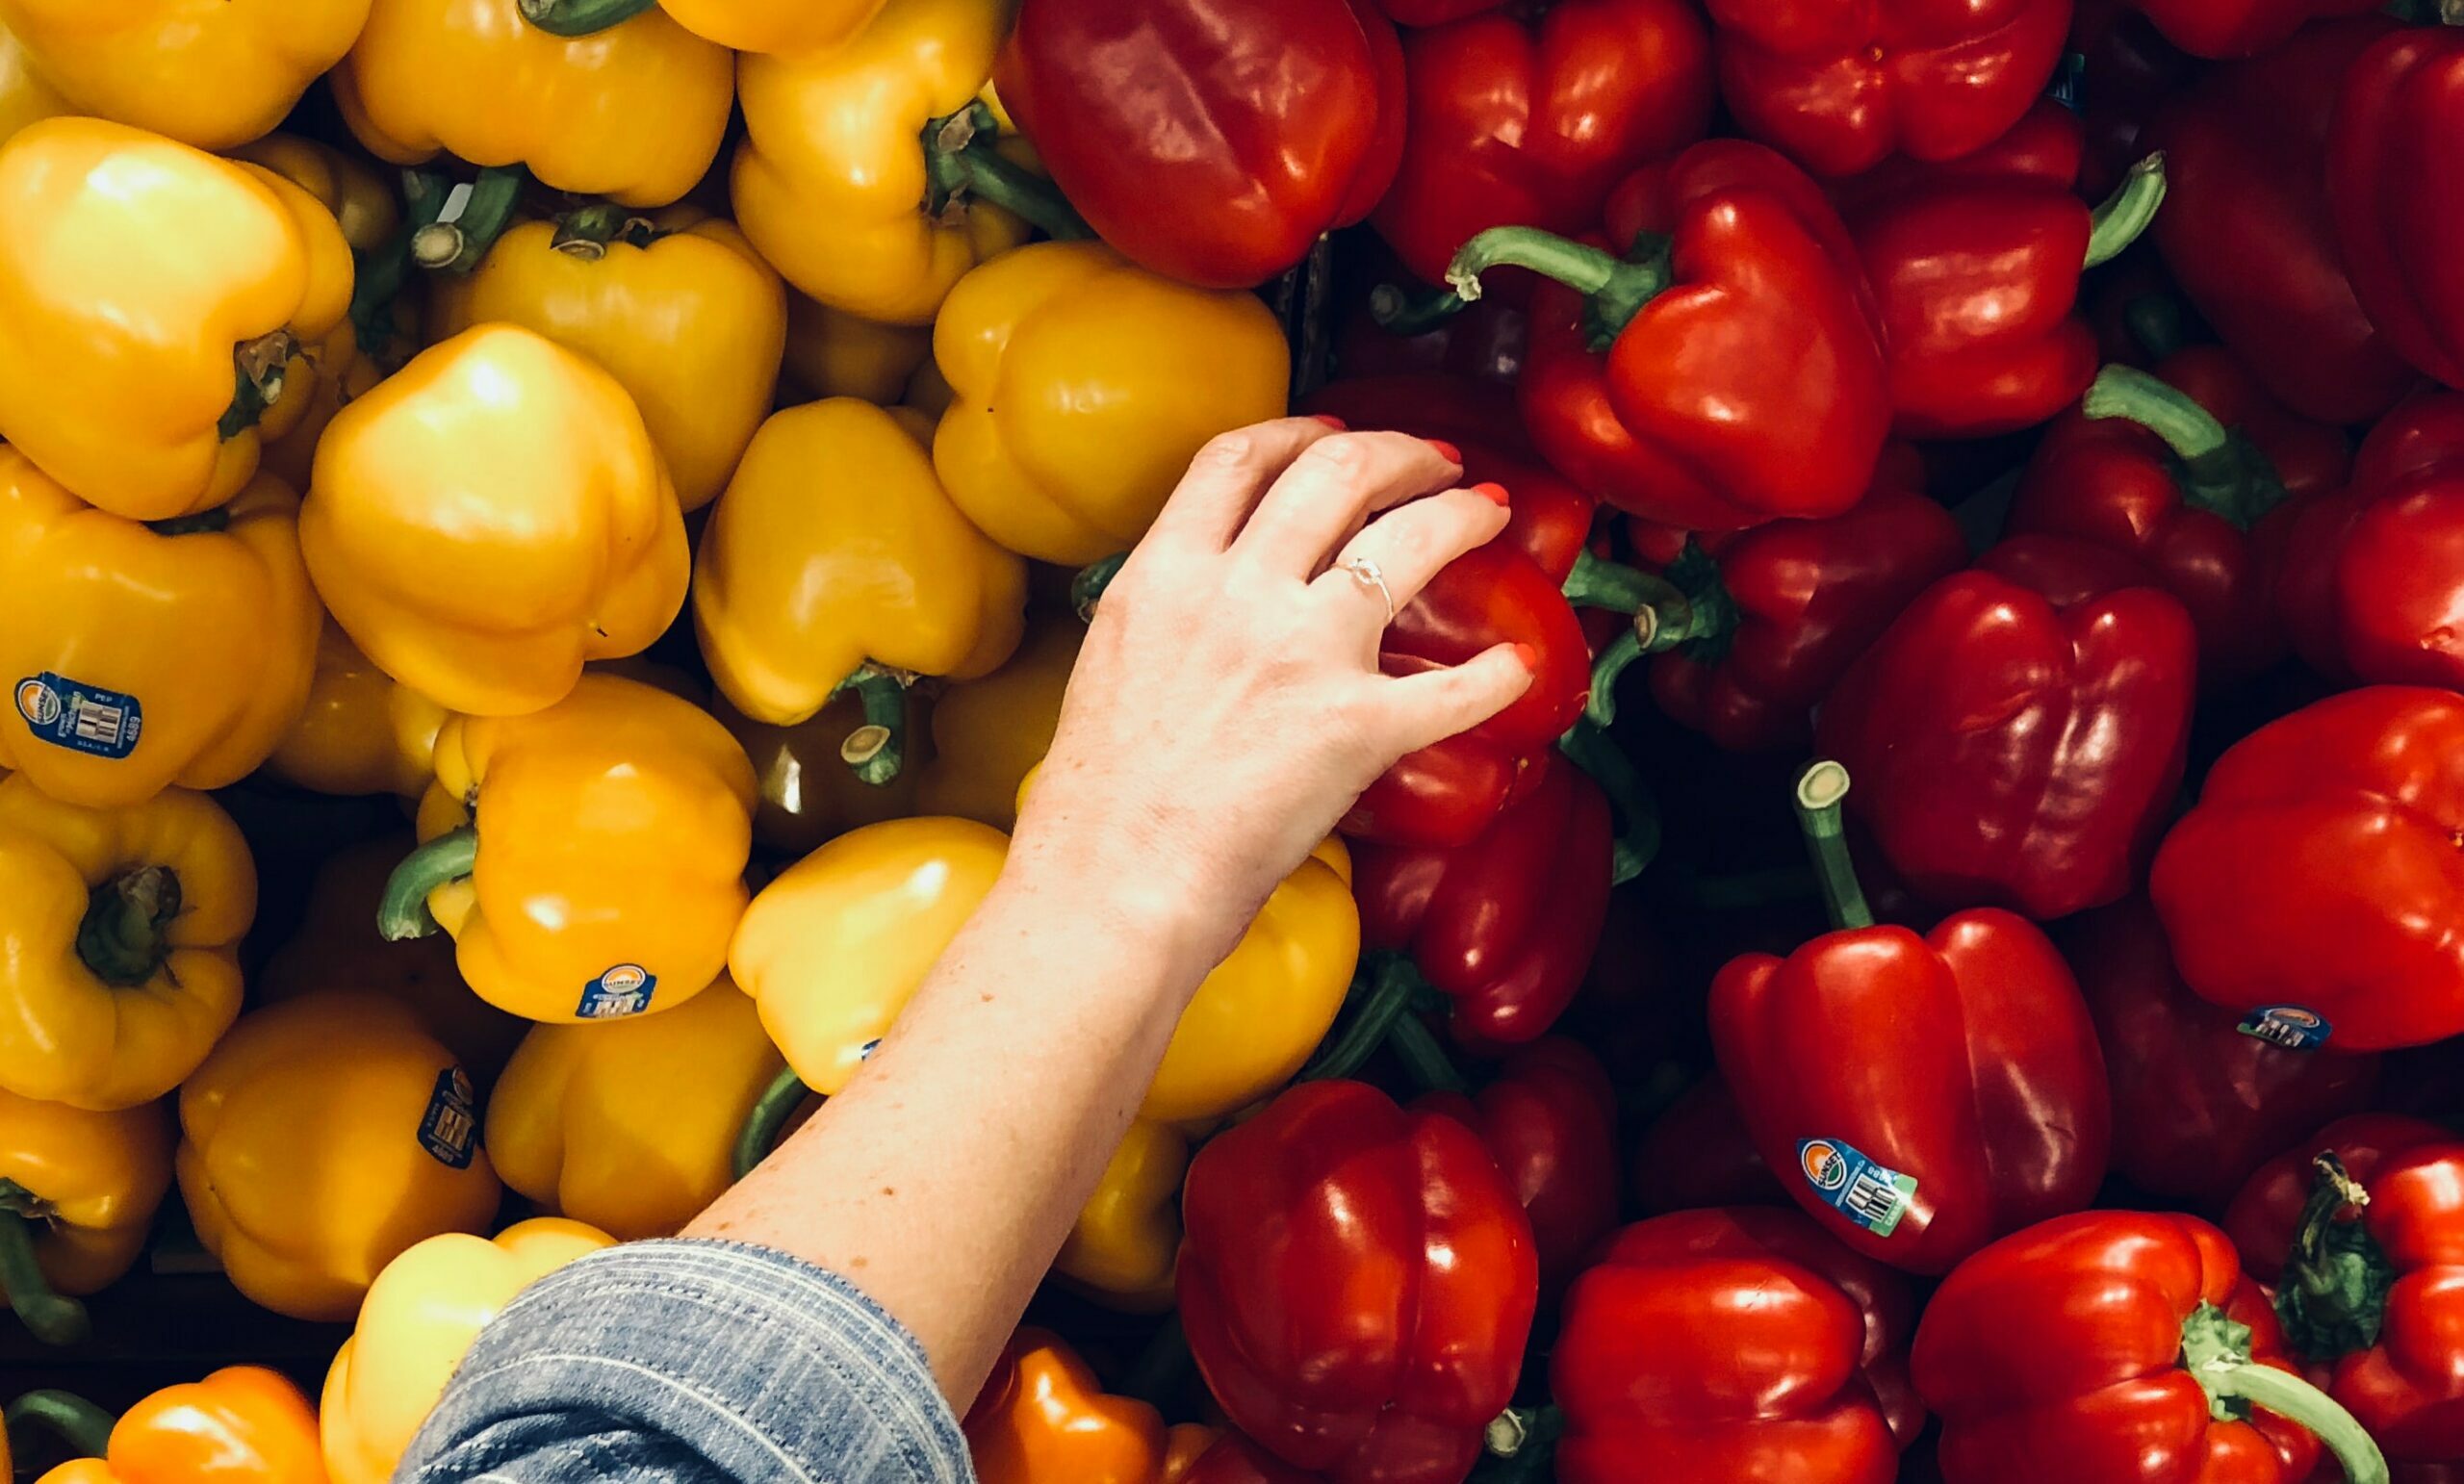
[
  {"x": 1445, "y": 451},
  {"x": 1491, "y": 491},
  {"x": 1332, "y": 420},
  {"x": 1529, "y": 656}
]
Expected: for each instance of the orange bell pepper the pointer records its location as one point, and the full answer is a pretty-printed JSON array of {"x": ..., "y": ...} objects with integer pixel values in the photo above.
[
  {"x": 243, "y": 1425},
  {"x": 1042, "y": 1417}
]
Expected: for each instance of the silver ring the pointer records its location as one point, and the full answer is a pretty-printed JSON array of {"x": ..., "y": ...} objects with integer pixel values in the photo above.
[{"x": 1366, "y": 572}]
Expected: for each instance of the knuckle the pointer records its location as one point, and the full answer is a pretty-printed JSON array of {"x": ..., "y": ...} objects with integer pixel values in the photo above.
[{"x": 1234, "y": 449}]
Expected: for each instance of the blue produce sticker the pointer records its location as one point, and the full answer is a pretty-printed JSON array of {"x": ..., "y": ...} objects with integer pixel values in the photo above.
[
  {"x": 449, "y": 1132},
  {"x": 80, "y": 717},
  {"x": 1872, "y": 1195},
  {"x": 617, "y": 992},
  {"x": 2289, "y": 1026}
]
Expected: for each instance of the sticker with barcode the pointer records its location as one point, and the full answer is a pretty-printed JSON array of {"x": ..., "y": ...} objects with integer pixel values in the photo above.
[
  {"x": 80, "y": 717},
  {"x": 2292, "y": 1027},
  {"x": 1873, "y": 1195},
  {"x": 624, "y": 989},
  {"x": 449, "y": 1132}
]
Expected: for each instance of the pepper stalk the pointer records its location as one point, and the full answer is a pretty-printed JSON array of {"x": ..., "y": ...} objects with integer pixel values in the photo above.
[
  {"x": 2215, "y": 1350},
  {"x": 50, "y": 1316},
  {"x": 84, "y": 1426},
  {"x": 1820, "y": 789},
  {"x": 2222, "y": 471}
]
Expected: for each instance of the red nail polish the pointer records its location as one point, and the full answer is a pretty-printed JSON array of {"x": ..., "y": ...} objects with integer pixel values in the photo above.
[
  {"x": 1332, "y": 420},
  {"x": 1491, "y": 491},
  {"x": 1445, "y": 451},
  {"x": 1529, "y": 656}
]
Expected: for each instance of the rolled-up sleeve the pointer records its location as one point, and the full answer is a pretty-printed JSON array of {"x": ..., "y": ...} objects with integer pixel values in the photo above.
[{"x": 698, "y": 1361}]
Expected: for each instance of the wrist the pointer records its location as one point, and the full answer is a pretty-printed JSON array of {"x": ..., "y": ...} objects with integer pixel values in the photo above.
[{"x": 1098, "y": 883}]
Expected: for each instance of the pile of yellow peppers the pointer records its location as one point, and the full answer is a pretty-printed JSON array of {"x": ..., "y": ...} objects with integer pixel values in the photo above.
[{"x": 361, "y": 460}]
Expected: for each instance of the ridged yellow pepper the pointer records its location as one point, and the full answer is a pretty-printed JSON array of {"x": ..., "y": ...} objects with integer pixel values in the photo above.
[
  {"x": 633, "y": 114},
  {"x": 1085, "y": 384},
  {"x": 361, "y": 200},
  {"x": 835, "y": 180},
  {"x": 359, "y": 732},
  {"x": 146, "y": 655},
  {"x": 792, "y": 26},
  {"x": 833, "y": 353},
  {"x": 677, "y": 307},
  {"x": 157, "y": 307},
  {"x": 346, "y": 371},
  {"x": 422, "y": 1315},
  {"x": 489, "y": 517},
  {"x": 119, "y": 942},
  {"x": 988, "y": 734},
  {"x": 24, "y": 96},
  {"x": 77, "y": 1195},
  {"x": 212, "y": 73},
  {"x": 606, "y": 870},
  {"x": 323, "y": 1137},
  {"x": 1127, "y": 1243},
  {"x": 807, "y": 793},
  {"x": 834, "y": 559}
]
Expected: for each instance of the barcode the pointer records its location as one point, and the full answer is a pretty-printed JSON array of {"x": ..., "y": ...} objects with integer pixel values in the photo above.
[
  {"x": 1873, "y": 1196},
  {"x": 97, "y": 722}
]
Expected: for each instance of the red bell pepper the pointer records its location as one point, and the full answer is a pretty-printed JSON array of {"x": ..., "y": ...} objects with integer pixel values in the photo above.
[
  {"x": 1232, "y": 1459},
  {"x": 1698, "y": 1153},
  {"x": 2020, "y": 730},
  {"x": 1550, "y": 1119},
  {"x": 1357, "y": 1285},
  {"x": 2187, "y": 471},
  {"x": 2127, "y": 72},
  {"x": 1530, "y": 117},
  {"x": 1211, "y": 140},
  {"x": 1434, "y": 13},
  {"x": 2396, "y": 192},
  {"x": 1728, "y": 369},
  {"x": 2317, "y": 877},
  {"x": 2045, "y": 145},
  {"x": 2251, "y": 235},
  {"x": 1717, "y": 1346},
  {"x": 2242, "y": 28},
  {"x": 2198, "y": 1102},
  {"x": 1840, "y": 86},
  {"x": 2120, "y": 1348},
  {"x": 1920, "y": 1096}
]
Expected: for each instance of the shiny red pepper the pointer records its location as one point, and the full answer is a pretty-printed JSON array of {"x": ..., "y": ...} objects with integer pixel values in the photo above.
[
  {"x": 2249, "y": 233},
  {"x": 1357, "y": 1285},
  {"x": 1710, "y": 1346},
  {"x": 1840, "y": 86},
  {"x": 1920, "y": 1096},
  {"x": 1728, "y": 369},
  {"x": 2318, "y": 874},
  {"x": 2120, "y": 1348},
  {"x": 1232, "y": 1459},
  {"x": 2242, "y": 28},
  {"x": 1550, "y": 1119},
  {"x": 1530, "y": 117},
  {"x": 2046, "y": 144},
  {"x": 2396, "y": 188},
  {"x": 2017, "y": 735},
  {"x": 2369, "y": 585},
  {"x": 2197, "y": 1102},
  {"x": 1211, "y": 140},
  {"x": 1698, "y": 1153}
]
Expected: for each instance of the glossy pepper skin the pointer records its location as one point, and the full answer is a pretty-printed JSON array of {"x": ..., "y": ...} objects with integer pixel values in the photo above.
[
  {"x": 1838, "y": 88},
  {"x": 2239, "y": 28},
  {"x": 1084, "y": 386},
  {"x": 491, "y": 516},
  {"x": 144, "y": 281},
  {"x": 2366, "y": 587},
  {"x": 78, "y": 1192},
  {"x": 1720, "y": 1344},
  {"x": 2389, "y": 190},
  {"x": 2371, "y": 781},
  {"x": 1550, "y": 1119},
  {"x": 1521, "y": 120},
  {"x": 243, "y": 1425},
  {"x": 120, "y": 955},
  {"x": 2251, "y": 234},
  {"x": 787, "y": 27},
  {"x": 1044, "y": 1418},
  {"x": 833, "y": 353},
  {"x": 1745, "y": 379},
  {"x": 1210, "y": 140},
  {"x": 210, "y": 633},
  {"x": 359, "y": 732},
  {"x": 26, "y": 97},
  {"x": 421, "y": 1317},
  {"x": 323, "y": 1137},
  {"x": 1357, "y": 1285},
  {"x": 213, "y": 75},
  {"x": 2019, "y": 731},
  {"x": 633, "y": 114},
  {"x": 605, "y": 871},
  {"x": 989, "y": 733},
  {"x": 1126, "y": 1243}
]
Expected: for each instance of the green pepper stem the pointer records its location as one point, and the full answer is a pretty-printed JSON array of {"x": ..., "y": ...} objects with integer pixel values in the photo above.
[
  {"x": 1086, "y": 588},
  {"x": 581, "y": 17},
  {"x": 84, "y": 1426},
  {"x": 2221, "y": 474},
  {"x": 1637, "y": 813},
  {"x": 876, "y": 750},
  {"x": 1416, "y": 1047},
  {"x": 1616, "y": 657},
  {"x": 1394, "y": 989},
  {"x": 50, "y": 1316},
  {"x": 1399, "y": 311},
  {"x": 1520, "y": 1445},
  {"x": 2117, "y": 221},
  {"x": 122, "y": 938},
  {"x": 1595, "y": 582},
  {"x": 1820, "y": 789},
  {"x": 586, "y": 231},
  {"x": 770, "y": 1111},
  {"x": 204, "y": 522},
  {"x": 258, "y": 368},
  {"x": 2215, "y": 1350},
  {"x": 402, "y": 912},
  {"x": 1618, "y": 288},
  {"x": 457, "y": 246},
  {"x": 961, "y": 162}
]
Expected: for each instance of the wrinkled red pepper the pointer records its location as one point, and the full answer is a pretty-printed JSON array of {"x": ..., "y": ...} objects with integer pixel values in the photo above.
[
  {"x": 1840, "y": 86},
  {"x": 1698, "y": 1153},
  {"x": 1357, "y": 1285},
  {"x": 2120, "y": 1348},
  {"x": 2242, "y": 28},
  {"x": 2369, "y": 585},
  {"x": 2199, "y": 1103},
  {"x": 2317, "y": 877},
  {"x": 1708, "y": 1346},
  {"x": 1728, "y": 369},
  {"x": 1920, "y": 1096},
  {"x": 1211, "y": 140},
  {"x": 2249, "y": 233},
  {"x": 2392, "y": 178},
  {"x": 1530, "y": 117},
  {"x": 1550, "y": 1119},
  {"x": 2019, "y": 734}
]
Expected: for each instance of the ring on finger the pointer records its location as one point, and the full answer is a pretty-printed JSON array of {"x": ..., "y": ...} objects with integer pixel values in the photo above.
[{"x": 1369, "y": 576}]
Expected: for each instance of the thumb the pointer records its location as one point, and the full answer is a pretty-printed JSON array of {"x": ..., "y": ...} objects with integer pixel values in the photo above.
[{"x": 1435, "y": 705}]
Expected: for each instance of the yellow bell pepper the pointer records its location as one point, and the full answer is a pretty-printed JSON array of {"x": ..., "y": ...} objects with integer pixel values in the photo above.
[
  {"x": 25, "y": 97},
  {"x": 833, "y": 353},
  {"x": 806, "y": 794},
  {"x": 421, "y": 1317},
  {"x": 147, "y": 655},
  {"x": 1127, "y": 1243},
  {"x": 835, "y": 560},
  {"x": 157, "y": 305},
  {"x": 1084, "y": 386},
  {"x": 119, "y": 942},
  {"x": 634, "y": 114},
  {"x": 792, "y": 26},
  {"x": 323, "y": 1137},
  {"x": 489, "y": 517},
  {"x": 839, "y": 183},
  {"x": 606, "y": 871},
  {"x": 678, "y": 308},
  {"x": 361, "y": 199},
  {"x": 212, "y": 74},
  {"x": 338, "y": 947},
  {"x": 988, "y": 734},
  {"x": 346, "y": 370},
  {"x": 569, "y": 1126},
  {"x": 360, "y": 733},
  {"x": 77, "y": 1196}
]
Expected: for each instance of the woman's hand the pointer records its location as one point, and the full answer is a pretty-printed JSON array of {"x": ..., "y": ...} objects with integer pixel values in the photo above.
[{"x": 1227, "y": 706}]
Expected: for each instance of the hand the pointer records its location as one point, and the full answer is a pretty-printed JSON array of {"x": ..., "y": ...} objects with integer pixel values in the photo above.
[{"x": 1227, "y": 706}]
